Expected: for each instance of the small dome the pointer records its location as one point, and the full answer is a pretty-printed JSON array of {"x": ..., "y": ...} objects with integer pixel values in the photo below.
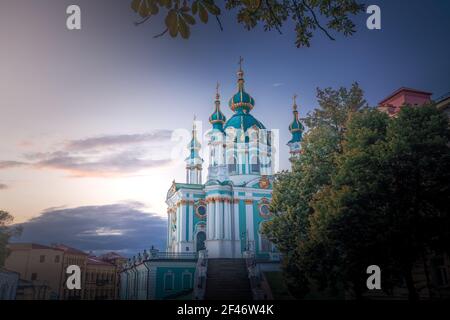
[
  {"x": 217, "y": 116},
  {"x": 296, "y": 127},
  {"x": 217, "y": 119},
  {"x": 241, "y": 100}
]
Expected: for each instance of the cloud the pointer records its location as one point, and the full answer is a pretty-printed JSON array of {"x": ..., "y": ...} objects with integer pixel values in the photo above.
[
  {"x": 11, "y": 164},
  {"x": 124, "y": 227},
  {"x": 3, "y": 186},
  {"x": 118, "y": 140},
  {"x": 103, "y": 156}
]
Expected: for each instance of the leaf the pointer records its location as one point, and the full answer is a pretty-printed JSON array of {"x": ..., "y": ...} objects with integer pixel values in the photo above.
[
  {"x": 212, "y": 8},
  {"x": 165, "y": 3},
  {"x": 154, "y": 9},
  {"x": 189, "y": 19},
  {"x": 184, "y": 29},
  {"x": 135, "y": 5},
  {"x": 203, "y": 14},
  {"x": 172, "y": 23},
  {"x": 195, "y": 7},
  {"x": 144, "y": 11}
]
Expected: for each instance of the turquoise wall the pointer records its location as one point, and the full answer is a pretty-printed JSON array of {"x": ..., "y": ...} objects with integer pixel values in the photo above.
[{"x": 160, "y": 292}]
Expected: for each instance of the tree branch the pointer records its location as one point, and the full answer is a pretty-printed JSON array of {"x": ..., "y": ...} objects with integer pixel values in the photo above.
[
  {"x": 161, "y": 34},
  {"x": 219, "y": 23},
  {"x": 317, "y": 21},
  {"x": 137, "y": 23},
  {"x": 278, "y": 22}
]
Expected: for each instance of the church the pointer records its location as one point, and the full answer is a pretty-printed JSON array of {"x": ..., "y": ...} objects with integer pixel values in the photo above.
[{"x": 219, "y": 216}]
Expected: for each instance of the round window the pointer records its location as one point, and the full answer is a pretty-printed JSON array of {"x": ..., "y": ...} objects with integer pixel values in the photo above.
[
  {"x": 264, "y": 210},
  {"x": 200, "y": 211}
]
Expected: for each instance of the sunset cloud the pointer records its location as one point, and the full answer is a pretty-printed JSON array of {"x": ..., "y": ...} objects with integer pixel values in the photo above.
[
  {"x": 122, "y": 227},
  {"x": 103, "y": 156},
  {"x": 3, "y": 186},
  {"x": 11, "y": 164},
  {"x": 119, "y": 140}
]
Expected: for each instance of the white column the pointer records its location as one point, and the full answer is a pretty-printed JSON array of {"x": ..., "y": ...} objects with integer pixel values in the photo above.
[
  {"x": 210, "y": 218},
  {"x": 227, "y": 213},
  {"x": 249, "y": 218},
  {"x": 237, "y": 232},
  {"x": 218, "y": 220},
  {"x": 183, "y": 223},
  {"x": 191, "y": 222},
  {"x": 178, "y": 235}
]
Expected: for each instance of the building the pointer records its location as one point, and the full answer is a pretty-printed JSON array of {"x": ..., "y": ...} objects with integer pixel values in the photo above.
[
  {"x": 38, "y": 265},
  {"x": 101, "y": 280},
  {"x": 443, "y": 103},
  {"x": 118, "y": 261},
  {"x": 403, "y": 96},
  {"x": 76, "y": 257},
  {"x": 220, "y": 217},
  {"x": 9, "y": 281},
  {"x": 42, "y": 272}
]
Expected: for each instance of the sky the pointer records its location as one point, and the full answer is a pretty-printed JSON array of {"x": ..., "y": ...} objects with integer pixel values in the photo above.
[{"x": 93, "y": 122}]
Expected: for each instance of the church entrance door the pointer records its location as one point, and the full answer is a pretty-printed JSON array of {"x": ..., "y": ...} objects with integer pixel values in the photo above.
[{"x": 201, "y": 237}]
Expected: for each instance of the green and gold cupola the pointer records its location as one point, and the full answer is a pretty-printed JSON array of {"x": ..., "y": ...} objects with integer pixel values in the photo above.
[
  {"x": 217, "y": 119},
  {"x": 241, "y": 101},
  {"x": 194, "y": 161},
  {"x": 296, "y": 128},
  {"x": 241, "y": 104}
]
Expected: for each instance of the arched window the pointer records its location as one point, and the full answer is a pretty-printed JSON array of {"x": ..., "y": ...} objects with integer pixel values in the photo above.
[
  {"x": 232, "y": 164},
  {"x": 255, "y": 164}
]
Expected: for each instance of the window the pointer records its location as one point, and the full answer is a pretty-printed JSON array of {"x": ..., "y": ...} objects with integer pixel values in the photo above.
[
  {"x": 254, "y": 164},
  {"x": 42, "y": 259},
  {"x": 57, "y": 258},
  {"x": 168, "y": 281},
  {"x": 187, "y": 279},
  {"x": 232, "y": 165},
  {"x": 33, "y": 276}
]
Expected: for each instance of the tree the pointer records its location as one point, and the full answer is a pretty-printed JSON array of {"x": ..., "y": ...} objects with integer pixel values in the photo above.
[
  {"x": 6, "y": 232},
  {"x": 306, "y": 16},
  {"x": 385, "y": 202},
  {"x": 293, "y": 191}
]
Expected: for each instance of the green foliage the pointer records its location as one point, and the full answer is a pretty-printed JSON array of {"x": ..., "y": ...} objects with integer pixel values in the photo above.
[
  {"x": 293, "y": 191},
  {"x": 373, "y": 190},
  {"x": 306, "y": 15},
  {"x": 6, "y": 232}
]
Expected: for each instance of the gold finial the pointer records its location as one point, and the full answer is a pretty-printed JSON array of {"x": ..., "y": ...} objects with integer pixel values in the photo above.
[
  {"x": 240, "y": 63},
  {"x": 295, "y": 101},
  {"x": 217, "y": 90}
]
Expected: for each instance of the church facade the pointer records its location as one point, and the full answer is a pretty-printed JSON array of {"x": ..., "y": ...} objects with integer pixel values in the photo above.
[{"x": 221, "y": 215}]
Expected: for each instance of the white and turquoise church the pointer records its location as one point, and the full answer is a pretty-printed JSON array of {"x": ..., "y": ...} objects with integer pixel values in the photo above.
[{"x": 217, "y": 215}]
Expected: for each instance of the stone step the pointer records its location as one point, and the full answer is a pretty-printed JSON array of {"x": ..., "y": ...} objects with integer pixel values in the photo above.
[{"x": 227, "y": 279}]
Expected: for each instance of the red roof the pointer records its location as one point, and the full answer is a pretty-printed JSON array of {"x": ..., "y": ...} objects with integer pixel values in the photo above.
[
  {"x": 404, "y": 89},
  {"x": 30, "y": 245},
  {"x": 70, "y": 250}
]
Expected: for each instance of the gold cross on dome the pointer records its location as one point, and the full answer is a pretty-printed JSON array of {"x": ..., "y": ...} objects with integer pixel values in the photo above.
[
  {"x": 217, "y": 87},
  {"x": 240, "y": 63},
  {"x": 295, "y": 99}
]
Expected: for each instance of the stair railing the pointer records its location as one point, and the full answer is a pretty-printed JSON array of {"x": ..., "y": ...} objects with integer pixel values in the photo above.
[
  {"x": 254, "y": 275},
  {"x": 200, "y": 275}
]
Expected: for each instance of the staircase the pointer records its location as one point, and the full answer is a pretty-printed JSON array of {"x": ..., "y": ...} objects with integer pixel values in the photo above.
[{"x": 227, "y": 279}]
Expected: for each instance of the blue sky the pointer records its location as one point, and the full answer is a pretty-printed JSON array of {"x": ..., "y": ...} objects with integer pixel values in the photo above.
[{"x": 80, "y": 110}]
